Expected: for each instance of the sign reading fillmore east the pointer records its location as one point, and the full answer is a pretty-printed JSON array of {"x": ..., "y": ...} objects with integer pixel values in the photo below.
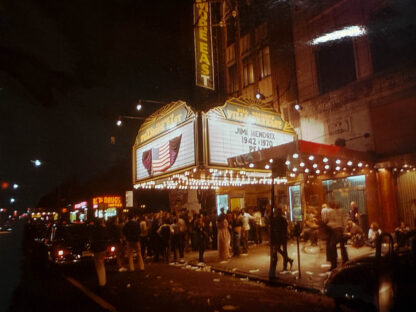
[
  {"x": 239, "y": 128},
  {"x": 204, "y": 66},
  {"x": 165, "y": 142}
]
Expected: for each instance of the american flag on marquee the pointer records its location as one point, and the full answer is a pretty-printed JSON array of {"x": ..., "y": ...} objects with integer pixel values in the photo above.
[{"x": 161, "y": 158}]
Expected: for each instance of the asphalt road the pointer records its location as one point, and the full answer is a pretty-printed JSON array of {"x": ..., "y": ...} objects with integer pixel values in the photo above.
[{"x": 162, "y": 287}]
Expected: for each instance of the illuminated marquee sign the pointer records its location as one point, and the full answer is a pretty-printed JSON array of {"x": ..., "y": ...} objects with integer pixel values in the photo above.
[
  {"x": 168, "y": 153},
  {"x": 107, "y": 202},
  {"x": 166, "y": 142},
  {"x": 81, "y": 205},
  {"x": 241, "y": 127},
  {"x": 169, "y": 121},
  {"x": 204, "y": 66}
]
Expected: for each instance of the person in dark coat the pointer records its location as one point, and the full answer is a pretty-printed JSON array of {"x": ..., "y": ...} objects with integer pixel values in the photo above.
[
  {"x": 99, "y": 242},
  {"x": 278, "y": 242},
  {"x": 202, "y": 235},
  {"x": 115, "y": 230},
  {"x": 131, "y": 231},
  {"x": 165, "y": 232}
]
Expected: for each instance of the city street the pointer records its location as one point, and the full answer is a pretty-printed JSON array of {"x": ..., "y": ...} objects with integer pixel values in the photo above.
[
  {"x": 160, "y": 287},
  {"x": 259, "y": 155}
]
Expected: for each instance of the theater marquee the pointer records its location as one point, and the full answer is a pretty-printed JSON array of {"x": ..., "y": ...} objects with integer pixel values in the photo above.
[
  {"x": 243, "y": 126},
  {"x": 165, "y": 142},
  {"x": 204, "y": 65}
]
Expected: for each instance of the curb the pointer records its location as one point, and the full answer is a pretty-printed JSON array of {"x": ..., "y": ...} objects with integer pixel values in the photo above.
[{"x": 274, "y": 283}]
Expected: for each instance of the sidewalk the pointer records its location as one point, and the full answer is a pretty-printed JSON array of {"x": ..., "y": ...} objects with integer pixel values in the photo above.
[{"x": 255, "y": 265}]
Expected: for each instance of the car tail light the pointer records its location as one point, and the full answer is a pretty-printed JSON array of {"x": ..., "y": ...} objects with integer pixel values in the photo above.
[{"x": 61, "y": 252}]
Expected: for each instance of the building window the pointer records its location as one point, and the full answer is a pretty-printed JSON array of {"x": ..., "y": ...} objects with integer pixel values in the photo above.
[
  {"x": 335, "y": 65},
  {"x": 231, "y": 31},
  {"x": 264, "y": 62},
  {"x": 248, "y": 72},
  {"x": 260, "y": 33},
  {"x": 245, "y": 44},
  {"x": 230, "y": 54},
  {"x": 394, "y": 44},
  {"x": 233, "y": 79}
]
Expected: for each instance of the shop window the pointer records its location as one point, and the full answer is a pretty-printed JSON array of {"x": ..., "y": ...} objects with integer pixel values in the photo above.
[
  {"x": 264, "y": 62},
  {"x": 335, "y": 65},
  {"x": 295, "y": 203},
  {"x": 392, "y": 36},
  {"x": 233, "y": 79},
  {"x": 248, "y": 72},
  {"x": 222, "y": 202},
  {"x": 346, "y": 190}
]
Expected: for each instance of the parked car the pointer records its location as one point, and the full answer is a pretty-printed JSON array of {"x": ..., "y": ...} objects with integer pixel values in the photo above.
[
  {"x": 71, "y": 243},
  {"x": 383, "y": 282},
  {"x": 6, "y": 226}
]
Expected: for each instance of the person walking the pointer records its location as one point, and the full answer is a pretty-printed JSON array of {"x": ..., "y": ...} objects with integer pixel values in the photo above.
[
  {"x": 99, "y": 242},
  {"x": 131, "y": 231},
  {"x": 278, "y": 242},
  {"x": 334, "y": 220}
]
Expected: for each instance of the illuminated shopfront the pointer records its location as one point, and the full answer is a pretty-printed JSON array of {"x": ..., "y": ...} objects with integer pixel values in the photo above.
[
  {"x": 79, "y": 212},
  {"x": 106, "y": 206}
]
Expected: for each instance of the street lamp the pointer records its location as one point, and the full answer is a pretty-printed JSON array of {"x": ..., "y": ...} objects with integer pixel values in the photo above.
[
  {"x": 120, "y": 122},
  {"x": 139, "y": 107},
  {"x": 36, "y": 162}
]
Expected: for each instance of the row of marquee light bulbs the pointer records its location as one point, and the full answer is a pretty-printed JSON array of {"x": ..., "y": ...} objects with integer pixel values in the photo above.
[{"x": 313, "y": 167}]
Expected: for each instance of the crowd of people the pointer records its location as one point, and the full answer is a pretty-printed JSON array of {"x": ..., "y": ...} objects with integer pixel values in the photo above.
[{"x": 165, "y": 236}]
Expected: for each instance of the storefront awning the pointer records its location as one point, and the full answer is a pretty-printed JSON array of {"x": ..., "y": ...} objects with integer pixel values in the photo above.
[{"x": 306, "y": 157}]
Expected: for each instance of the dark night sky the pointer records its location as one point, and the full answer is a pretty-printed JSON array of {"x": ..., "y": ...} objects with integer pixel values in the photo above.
[{"x": 69, "y": 68}]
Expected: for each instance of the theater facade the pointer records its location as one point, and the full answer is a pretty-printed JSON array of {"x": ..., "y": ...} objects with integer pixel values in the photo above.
[{"x": 247, "y": 156}]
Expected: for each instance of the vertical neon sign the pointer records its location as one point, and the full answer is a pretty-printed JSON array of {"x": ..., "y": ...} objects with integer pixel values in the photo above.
[{"x": 204, "y": 65}]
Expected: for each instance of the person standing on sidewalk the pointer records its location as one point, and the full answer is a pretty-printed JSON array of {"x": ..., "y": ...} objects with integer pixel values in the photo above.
[
  {"x": 245, "y": 218},
  {"x": 165, "y": 233},
  {"x": 144, "y": 236},
  {"x": 131, "y": 231},
  {"x": 116, "y": 238},
  {"x": 202, "y": 235},
  {"x": 223, "y": 238},
  {"x": 99, "y": 242},
  {"x": 334, "y": 219},
  {"x": 236, "y": 234},
  {"x": 278, "y": 242}
]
